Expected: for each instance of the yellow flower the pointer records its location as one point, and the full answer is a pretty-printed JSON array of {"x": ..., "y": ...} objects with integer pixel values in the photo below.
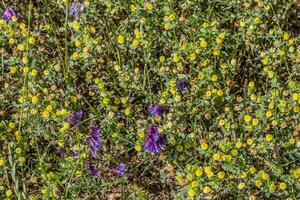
[
  {"x": 77, "y": 43},
  {"x": 257, "y": 20},
  {"x": 203, "y": 43},
  {"x": 265, "y": 61},
  {"x": 46, "y": 114},
  {"x": 272, "y": 186},
  {"x": 138, "y": 147},
  {"x": 76, "y": 25},
  {"x": 269, "y": 137},
  {"x": 191, "y": 192},
  {"x": 22, "y": 26},
  {"x": 216, "y": 52},
  {"x": 132, "y": 8},
  {"x": 214, "y": 77},
  {"x": 295, "y": 96},
  {"x": 2, "y": 162},
  {"x": 269, "y": 113},
  {"x": 31, "y": 40},
  {"x": 25, "y": 60},
  {"x": 255, "y": 121},
  {"x": 286, "y": 36},
  {"x": 205, "y": 25},
  {"x": 238, "y": 144},
  {"x": 195, "y": 184},
  {"x": 206, "y": 190},
  {"x": 250, "y": 141},
  {"x": 11, "y": 41},
  {"x": 252, "y": 170},
  {"x": 8, "y": 193},
  {"x": 135, "y": 43},
  {"x": 241, "y": 186},
  {"x": 199, "y": 172},
  {"x": 34, "y": 99},
  {"x": 18, "y": 150},
  {"x": 34, "y": 72},
  {"x": 251, "y": 84},
  {"x": 265, "y": 176},
  {"x": 120, "y": 39},
  {"x": 252, "y": 197},
  {"x": 11, "y": 125},
  {"x": 14, "y": 18},
  {"x": 13, "y": 70},
  {"x": 216, "y": 156},
  {"x": 221, "y": 122},
  {"x": 176, "y": 58},
  {"x": 258, "y": 183},
  {"x": 220, "y": 92},
  {"x": 282, "y": 185},
  {"x": 243, "y": 175},
  {"x": 204, "y": 146},
  {"x": 247, "y": 118},
  {"x": 46, "y": 72},
  {"x": 149, "y": 6},
  {"x": 221, "y": 175}
]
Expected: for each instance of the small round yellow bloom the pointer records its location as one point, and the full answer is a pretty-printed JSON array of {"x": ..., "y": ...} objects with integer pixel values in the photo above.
[
  {"x": 258, "y": 183},
  {"x": 149, "y": 6},
  {"x": 34, "y": 72},
  {"x": 135, "y": 43},
  {"x": 265, "y": 176},
  {"x": 250, "y": 141},
  {"x": 195, "y": 184},
  {"x": 247, "y": 118},
  {"x": 46, "y": 72},
  {"x": 8, "y": 193},
  {"x": 221, "y": 175},
  {"x": 282, "y": 185},
  {"x": 191, "y": 192},
  {"x": 120, "y": 39},
  {"x": 13, "y": 70},
  {"x": 34, "y": 99},
  {"x": 214, "y": 77},
  {"x": 138, "y": 147},
  {"x": 11, "y": 125},
  {"x": 77, "y": 43},
  {"x": 255, "y": 121},
  {"x": 18, "y": 150},
  {"x": 216, "y": 156},
  {"x": 241, "y": 186},
  {"x": 199, "y": 172},
  {"x": 252, "y": 170},
  {"x": 31, "y": 40},
  {"x": 204, "y": 146},
  {"x": 203, "y": 43},
  {"x": 2, "y": 162},
  {"x": 206, "y": 190},
  {"x": 269, "y": 137}
]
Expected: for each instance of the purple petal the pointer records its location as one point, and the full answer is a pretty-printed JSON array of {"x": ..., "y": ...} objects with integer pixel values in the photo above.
[
  {"x": 120, "y": 170},
  {"x": 157, "y": 109}
]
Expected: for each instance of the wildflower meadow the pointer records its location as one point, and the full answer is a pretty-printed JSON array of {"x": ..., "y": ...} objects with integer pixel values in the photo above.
[{"x": 149, "y": 99}]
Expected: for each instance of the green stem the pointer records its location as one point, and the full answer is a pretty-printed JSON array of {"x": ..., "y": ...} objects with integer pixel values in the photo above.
[{"x": 67, "y": 64}]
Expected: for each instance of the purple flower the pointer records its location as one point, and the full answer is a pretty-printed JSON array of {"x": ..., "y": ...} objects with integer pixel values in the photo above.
[
  {"x": 182, "y": 84},
  {"x": 94, "y": 140},
  {"x": 74, "y": 118},
  {"x": 94, "y": 171},
  {"x": 154, "y": 142},
  {"x": 157, "y": 109},
  {"x": 74, "y": 154},
  {"x": 76, "y": 9},
  {"x": 120, "y": 169},
  {"x": 9, "y": 13}
]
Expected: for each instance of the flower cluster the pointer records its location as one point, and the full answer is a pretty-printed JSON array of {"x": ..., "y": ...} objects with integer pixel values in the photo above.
[{"x": 149, "y": 99}]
